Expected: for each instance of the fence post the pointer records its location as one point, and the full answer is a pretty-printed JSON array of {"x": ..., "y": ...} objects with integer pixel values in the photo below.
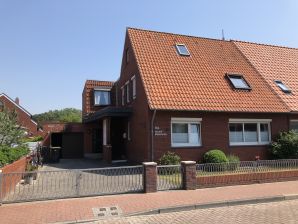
[
  {"x": 189, "y": 177},
  {"x": 150, "y": 177}
]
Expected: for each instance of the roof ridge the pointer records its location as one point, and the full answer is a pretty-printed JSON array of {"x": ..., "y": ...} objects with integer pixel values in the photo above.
[
  {"x": 92, "y": 80},
  {"x": 177, "y": 34},
  {"x": 263, "y": 44}
]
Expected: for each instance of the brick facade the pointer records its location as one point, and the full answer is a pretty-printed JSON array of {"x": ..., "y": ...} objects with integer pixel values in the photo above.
[{"x": 24, "y": 117}]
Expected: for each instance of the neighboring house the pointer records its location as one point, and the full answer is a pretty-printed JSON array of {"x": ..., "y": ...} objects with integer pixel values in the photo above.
[
  {"x": 24, "y": 117},
  {"x": 189, "y": 95}
]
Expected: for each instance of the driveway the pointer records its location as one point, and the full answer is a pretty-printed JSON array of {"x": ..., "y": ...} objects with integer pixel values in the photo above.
[{"x": 75, "y": 164}]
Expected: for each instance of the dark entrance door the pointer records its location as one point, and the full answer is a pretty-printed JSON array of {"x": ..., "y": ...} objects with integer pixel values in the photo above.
[
  {"x": 96, "y": 140},
  {"x": 72, "y": 145},
  {"x": 118, "y": 128}
]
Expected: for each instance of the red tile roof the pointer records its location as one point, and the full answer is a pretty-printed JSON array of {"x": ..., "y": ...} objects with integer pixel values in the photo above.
[
  {"x": 275, "y": 63},
  {"x": 198, "y": 82},
  {"x": 95, "y": 83}
]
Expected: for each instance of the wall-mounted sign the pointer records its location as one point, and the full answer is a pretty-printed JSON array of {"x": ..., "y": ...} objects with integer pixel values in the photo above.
[{"x": 159, "y": 132}]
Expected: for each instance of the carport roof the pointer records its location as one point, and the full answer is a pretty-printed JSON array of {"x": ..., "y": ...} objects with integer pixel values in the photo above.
[{"x": 108, "y": 112}]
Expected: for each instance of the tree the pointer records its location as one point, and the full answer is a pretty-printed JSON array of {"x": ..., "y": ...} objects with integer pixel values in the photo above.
[
  {"x": 10, "y": 131},
  {"x": 64, "y": 115}
]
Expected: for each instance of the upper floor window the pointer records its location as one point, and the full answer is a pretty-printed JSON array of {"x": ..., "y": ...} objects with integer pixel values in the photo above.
[
  {"x": 238, "y": 81},
  {"x": 102, "y": 97},
  {"x": 186, "y": 132},
  {"x": 122, "y": 95},
  {"x": 127, "y": 92},
  {"x": 282, "y": 86},
  {"x": 127, "y": 56},
  {"x": 134, "y": 87},
  {"x": 182, "y": 50},
  {"x": 249, "y": 132},
  {"x": 1, "y": 106}
]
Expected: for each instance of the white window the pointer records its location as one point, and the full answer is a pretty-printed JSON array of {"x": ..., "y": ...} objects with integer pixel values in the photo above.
[
  {"x": 294, "y": 125},
  {"x": 186, "y": 132},
  {"x": 182, "y": 50},
  {"x": 238, "y": 81},
  {"x": 249, "y": 132},
  {"x": 134, "y": 87},
  {"x": 127, "y": 92},
  {"x": 122, "y": 95},
  {"x": 282, "y": 86},
  {"x": 102, "y": 97}
]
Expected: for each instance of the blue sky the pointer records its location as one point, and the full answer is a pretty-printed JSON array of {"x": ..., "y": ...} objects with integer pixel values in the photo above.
[{"x": 48, "y": 48}]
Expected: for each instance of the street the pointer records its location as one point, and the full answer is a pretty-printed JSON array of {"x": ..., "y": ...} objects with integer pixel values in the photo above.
[{"x": 276, "y": 212}]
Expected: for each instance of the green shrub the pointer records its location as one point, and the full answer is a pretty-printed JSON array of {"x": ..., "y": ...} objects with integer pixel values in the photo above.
[
  {"x": 286, "y": 146},
  {"x": 169, "y": 158},
  {"x": 9, "y": 155},
  {"x": 215, "y": 156},
  {"x": 233, "y": 162}
]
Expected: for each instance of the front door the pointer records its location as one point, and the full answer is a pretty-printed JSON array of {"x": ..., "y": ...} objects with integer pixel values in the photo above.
[{"x": 118, "y": 132}]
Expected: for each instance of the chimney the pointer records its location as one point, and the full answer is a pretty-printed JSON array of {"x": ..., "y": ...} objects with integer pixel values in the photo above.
[{"x": 17, "y": 101}]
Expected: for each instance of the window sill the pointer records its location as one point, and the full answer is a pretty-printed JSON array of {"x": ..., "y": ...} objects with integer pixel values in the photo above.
[
  {"x": 186, "y": 146},
  {"x": 249, "y": 144}
]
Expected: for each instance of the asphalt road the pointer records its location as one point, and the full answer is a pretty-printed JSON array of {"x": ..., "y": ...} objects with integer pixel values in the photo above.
[{"x": 276, "y": 212}]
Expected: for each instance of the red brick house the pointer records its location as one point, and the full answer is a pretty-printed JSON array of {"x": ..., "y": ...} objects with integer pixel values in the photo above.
[
  {"x": 24, "y": 117},
  {"x": 189, "y": 95}
]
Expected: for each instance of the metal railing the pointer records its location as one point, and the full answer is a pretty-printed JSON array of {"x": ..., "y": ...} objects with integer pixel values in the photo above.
[
  {"x": 210, "y": 169},
  {"x": 169, "y": 177},
  {"x": 44, "y": 185}
]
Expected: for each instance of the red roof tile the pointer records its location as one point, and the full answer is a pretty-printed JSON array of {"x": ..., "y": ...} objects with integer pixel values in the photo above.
[
  {"x": 198, "y": 82},
  {"x": 275, "y": 63}
]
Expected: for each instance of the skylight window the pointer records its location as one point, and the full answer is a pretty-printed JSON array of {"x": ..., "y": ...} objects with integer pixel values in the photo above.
[
  {"x": 182, "y": 50},
  {"x": 238, "y": 81},
  {"x": 282, "y": 86}
]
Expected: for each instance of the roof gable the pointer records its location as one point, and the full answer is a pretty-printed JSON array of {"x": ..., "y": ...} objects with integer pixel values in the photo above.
[
  {"x": 198, "y": 82},
  {"x": 18, "y": 106}
]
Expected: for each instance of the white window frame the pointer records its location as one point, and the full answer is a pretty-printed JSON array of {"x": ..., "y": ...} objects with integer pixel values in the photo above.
[
  {"x": 180, "y": 120},
  {"x": 251, "y": 121},
  {"x": 122, "y": 95},
  {"x": 134, "y": 87},
  {"x": 127, "y": 92}
]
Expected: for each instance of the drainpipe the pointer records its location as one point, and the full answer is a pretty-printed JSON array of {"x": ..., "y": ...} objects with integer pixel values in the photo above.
[{"x": 152, "y": 135}]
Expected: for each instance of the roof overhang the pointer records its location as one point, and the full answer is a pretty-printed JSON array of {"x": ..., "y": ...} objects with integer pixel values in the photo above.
[{"x": 108, "y": 112}]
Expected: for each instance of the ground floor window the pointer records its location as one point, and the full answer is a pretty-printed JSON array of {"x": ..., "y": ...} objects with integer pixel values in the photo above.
[
  {"x": 294, "y": 125},
  {"x": 249, "y": 132},
  {"x": 186, "y": 132}
]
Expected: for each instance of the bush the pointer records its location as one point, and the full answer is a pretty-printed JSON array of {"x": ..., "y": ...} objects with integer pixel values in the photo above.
[
  {"x": 233, "y": 162},
  {"x": 215, "y": 156},
  {"x": 286, "y": 146},
  {"x": 169, "y": 158},
  {"x": 9, "y": 155}
]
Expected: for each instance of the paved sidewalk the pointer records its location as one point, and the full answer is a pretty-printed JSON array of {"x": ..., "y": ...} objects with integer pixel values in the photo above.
[
  {"x": 81, "y": 208},
  {"x": 273, "y": 213}
]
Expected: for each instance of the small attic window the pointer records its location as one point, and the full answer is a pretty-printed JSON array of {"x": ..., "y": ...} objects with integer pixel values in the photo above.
[
  {"x": 238, "y": 81},
  {"x": 182, "y": 50},
  {"x": 282, "y": 86}
]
